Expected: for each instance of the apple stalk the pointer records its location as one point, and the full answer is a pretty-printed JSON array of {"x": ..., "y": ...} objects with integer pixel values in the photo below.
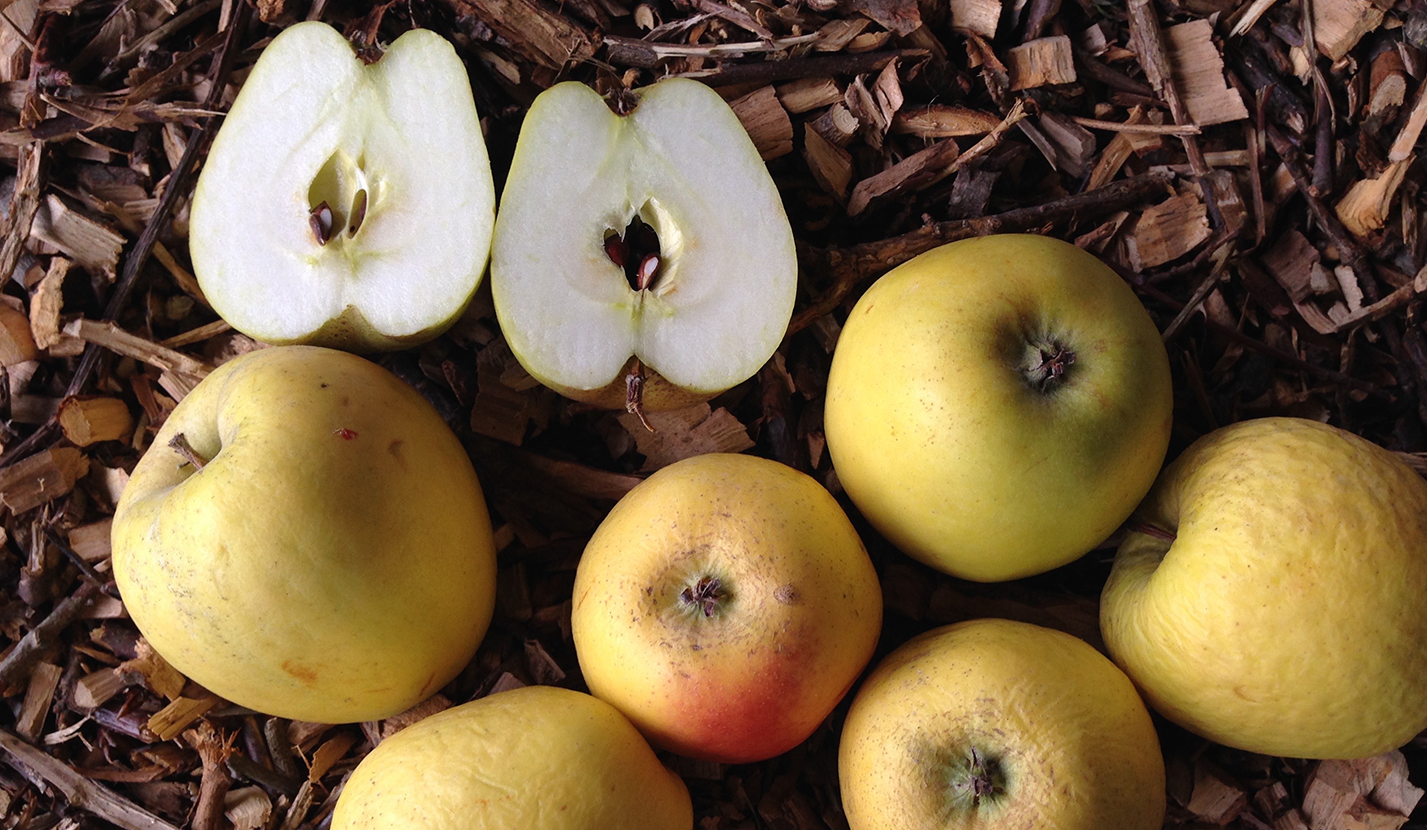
[{"x": 179, "y": 443}]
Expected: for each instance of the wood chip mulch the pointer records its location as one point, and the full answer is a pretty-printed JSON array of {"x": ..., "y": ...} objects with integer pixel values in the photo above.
[{"x": 1248, "y": 166}]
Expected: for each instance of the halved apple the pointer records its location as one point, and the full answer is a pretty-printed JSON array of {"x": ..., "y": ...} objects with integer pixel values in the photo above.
[
  {"x": 653, "y": 238},
  {"x": 343, "y": 203}
]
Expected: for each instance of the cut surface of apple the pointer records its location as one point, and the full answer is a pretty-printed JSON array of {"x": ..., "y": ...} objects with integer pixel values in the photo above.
[
  {"x": 705, "y": 307},
  {"x": 344, "y": 203}
]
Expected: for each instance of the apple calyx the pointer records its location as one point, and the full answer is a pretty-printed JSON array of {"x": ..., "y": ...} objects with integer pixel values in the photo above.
[
  {"x": 707, "y": 595},
  {"x": 179, "y": 443},
  {"x": 976, "y": 778},
  {"x": 1046, "y": 365}
]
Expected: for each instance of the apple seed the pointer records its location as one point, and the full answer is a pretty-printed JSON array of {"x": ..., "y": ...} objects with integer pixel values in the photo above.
[{"x": 321, "y": 221}]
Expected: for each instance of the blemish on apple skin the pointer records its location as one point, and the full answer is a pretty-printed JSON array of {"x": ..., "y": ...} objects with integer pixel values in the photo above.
[
  {"x": 786, "y": 594},
  {"x": 344, "y": 433},
  {"x": 395, "y": 449},
  {"x": 299, "y": 671}
]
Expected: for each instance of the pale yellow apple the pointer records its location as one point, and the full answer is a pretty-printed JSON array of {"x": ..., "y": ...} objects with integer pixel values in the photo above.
[
  {"x": 332, "y": 560},
  {"x": 996, "y": 407},
  {"x": 999, "y": 725},
  {"x": 537, "y": 758},
  {"x": 725, "y": 606},
  {"x": 1281, "y": 604}
]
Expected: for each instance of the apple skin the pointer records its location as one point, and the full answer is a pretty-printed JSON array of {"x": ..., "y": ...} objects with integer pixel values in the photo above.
[
  {"x": 1068, "y": 737},
  {"x": 540, "y": 757},
  {"x": 798, "y": 619},
  {"x": 333, "y": 560},
  {"x": 1288, "y": 615},
  {"x": 319, "y": 124},
  {"x": 945, "y": 445}
]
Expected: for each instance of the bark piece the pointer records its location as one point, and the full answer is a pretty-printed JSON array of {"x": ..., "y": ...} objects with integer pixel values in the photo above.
[
  {"x": 541, "y": 36},
  {"x": 978, "y": 16},
  {"x": 684, "y": 433},
  {"x": 831, "y": 165},
  {"x": 1167, "y": 231},
  {"x": 41, "y": 478},
  {"x": 807, "y": 94},
  {"x": 39, "y": 696},
  {"x": 17, "y": 343},
  {"x": 1198, "y": 71},
  {"x": 915, "y": 172},
  {"x": 1041, "y": 62},
  {"x": 89, "y": 420},
  {"x": 93, "y": 245},
  {"x": 766, "y": 121},
  {"x": 944, "y": 121},
  {"x": 1338, "y": 25},
  {"x": 1363, "y": 210}
]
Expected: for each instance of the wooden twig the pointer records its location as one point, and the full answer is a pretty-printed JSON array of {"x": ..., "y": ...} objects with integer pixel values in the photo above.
[
  {"x": 1201, "y": 291},
  {"x": 846, "y": 268},
  {"x": 1145, "y": 129},
  {"x": 214, "y": 751},
  {"x": 78, "y": 790},
  {"x": 18, "y": 662},
  {"x": 795, "y": 68}
]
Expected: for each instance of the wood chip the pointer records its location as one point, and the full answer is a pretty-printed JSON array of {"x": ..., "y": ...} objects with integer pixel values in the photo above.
[
  {"x": 944, "y": 121},
  {"x": 1216, "y": 798},
  {"x": 1041, "y": 62},
  {"x": 39, "y": 696},
  {"x": 332, "y": 750},
  {"x": 915, "y": 172},
  {"x": 158, "y": 675},
  {"x": 1198, "y": 71},
  {"x": 88, "y": 420},
  {"x": 248, "y": 808},
  {"x": 1401, "y": 149},
  {"x": 685, "y": 433},
  {"x": 93, "y": 245},
  {"x": 836, "y": 34},
  {"x": 17, "y": 344},
  {"x": 540, "y": 35},
  {"x": 838, "y": 125},
  {"x": 46, "y": 303},
  {"x": 1167, "y": 231},
  {"x": 425, "y": 709},
  {"x": 978, "y": 16},
  {"x": 1293, "y": 262},
  {"x": 807, "y": 94},
  {"x": 169, "y": 722},
  {"x": 95, "y": 689},
  {"x": 91, "y": 541},
  {"x": 830, "y": 165},
  {"x": 1074, "y": 145},
  {"x": 1394, "y": 792},
  {"x": 1387, "y": 89},
  {"x": 1365, "y": 207},
  {"x": 1338, "y": 25},
  {"x": 766, "y": 121},
  {"x": 41, "y": 478}
]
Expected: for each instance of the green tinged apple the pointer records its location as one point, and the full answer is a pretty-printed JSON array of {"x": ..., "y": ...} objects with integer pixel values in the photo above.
[
  {"x": 996, "y": 407},
  {"x": 346, "y": 204}
]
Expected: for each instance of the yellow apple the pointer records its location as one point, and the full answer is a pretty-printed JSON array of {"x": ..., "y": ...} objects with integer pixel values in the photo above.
[
  {"x": 1281, "y": 604},
  {"x": 996, "y": 407},
  {"x": 537, "y": 758},
  {"x": 331, "y": 560},
  {"x": 999, "y": 724},
  {"x": 725, "y": 606}
]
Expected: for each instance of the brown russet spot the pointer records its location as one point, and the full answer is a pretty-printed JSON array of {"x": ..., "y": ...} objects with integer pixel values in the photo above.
[{"x": 306, "y": 674}]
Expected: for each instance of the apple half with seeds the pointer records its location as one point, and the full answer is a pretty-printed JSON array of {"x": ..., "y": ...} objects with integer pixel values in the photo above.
[
  {"x": 343, "y": 203},
  {"x": 641, "y": 255}
]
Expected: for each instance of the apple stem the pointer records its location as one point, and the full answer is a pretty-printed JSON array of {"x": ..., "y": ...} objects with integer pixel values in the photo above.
[
  {"x": 634, "y": 394},
  {"x": 705, "y": 593},
  {"x": 622, "y": 101},
  {"x": 1150, "y": 530},
  {"x": 179, "y": 443}
]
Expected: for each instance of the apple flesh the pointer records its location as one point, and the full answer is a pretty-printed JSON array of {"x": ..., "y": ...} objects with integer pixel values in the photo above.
[
  {"x": 996, "y": 407},
  {"x": 345, "y": 204},
  {"x": 307, "y": 538},
  {"x": 725, "y": 606},
  {"x": 1279, "y": 602},
  {"x": 702, "y": 305},
  {"x": 999, "y": 724}
]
